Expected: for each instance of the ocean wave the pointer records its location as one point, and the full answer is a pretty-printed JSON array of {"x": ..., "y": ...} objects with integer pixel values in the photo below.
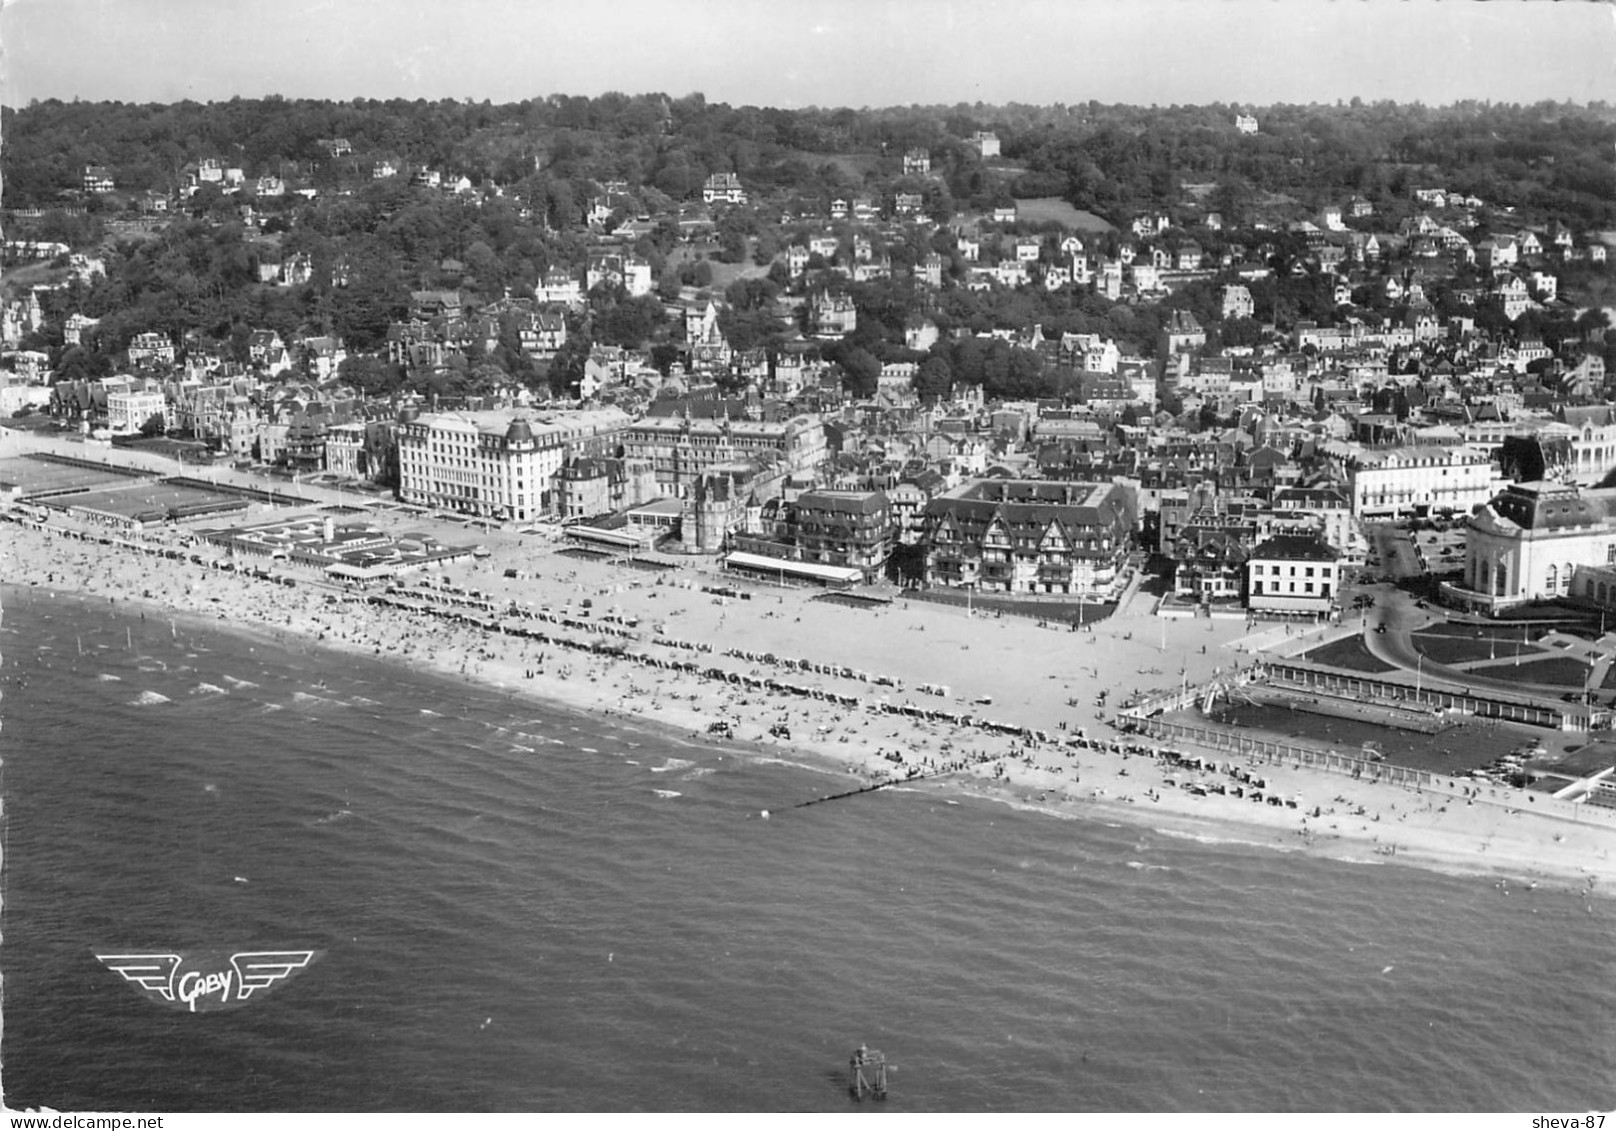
[
  {"x": 234, "y": 682},
  {"x": 672, "y": 764},
  {"x": 1139, "y": 866},
  {"x": 208, "y": 689},
  {"x": 518, "y": 748},
  {"x": 667, "y": 793},
  {"x": 108, "y": 677},
  {"x": 149, "y": 699},
  {"x": 1080, "y": 952},
  {"x": 1208, "y": 838},
  {"x": 432, "y": 713},
  {"x": 698, "y": 772},
  {"x": 764, "y": 760}
]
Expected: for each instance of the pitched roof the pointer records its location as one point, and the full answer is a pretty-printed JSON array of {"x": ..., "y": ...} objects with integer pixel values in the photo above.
[{"x": 1296, "y": 548}]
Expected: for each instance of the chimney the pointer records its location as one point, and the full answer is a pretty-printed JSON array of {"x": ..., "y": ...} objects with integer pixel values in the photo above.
[{"x": 330, "y": 529}]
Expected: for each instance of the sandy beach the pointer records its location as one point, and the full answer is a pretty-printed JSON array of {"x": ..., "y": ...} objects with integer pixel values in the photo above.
[{"x": 869, "y": 663}]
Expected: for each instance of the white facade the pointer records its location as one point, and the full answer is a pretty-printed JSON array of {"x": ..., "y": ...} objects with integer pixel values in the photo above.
[
  {"x": 560, "y": 288},
  {"x": 16, "y": 397},
  {"x": 130, "y": 409},
  {"x": 496, "y": 464},
  {"x": 681, "y": 449},
  {"x": 1237, "y": 302},
  {"x": 344, "y": 443},
  {"x": 1527, "y": 543},
  {"x": 1292, "y": 574},
  {"x": 1593, "y": 450},
  {"x": 1399, "y": 480},
  {"x": 1325, "y": 509}
]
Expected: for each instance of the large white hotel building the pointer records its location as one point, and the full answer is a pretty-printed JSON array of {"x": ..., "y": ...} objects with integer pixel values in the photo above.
[
  {"x": 1385, "y": 482},
  {"x": 498, "y": 464}
]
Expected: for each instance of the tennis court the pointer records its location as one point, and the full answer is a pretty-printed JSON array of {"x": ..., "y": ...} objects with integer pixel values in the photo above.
[
  {"x": 149, "y": 502},
  {"x": 36, "y": 478}
]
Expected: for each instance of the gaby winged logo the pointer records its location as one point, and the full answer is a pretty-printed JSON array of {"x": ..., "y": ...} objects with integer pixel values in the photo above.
[{"x": 201, "y": 982}]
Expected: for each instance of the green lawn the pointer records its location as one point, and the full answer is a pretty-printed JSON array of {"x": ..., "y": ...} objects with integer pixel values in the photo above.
[
  {"x": 726, "y": 273},
  {"x": 1460, "y": 628},
  {"x": 1349, "y": 652},
  {"x": 24, "y": 276},
  {"x": 1053, "y": 609},
  {"x": 1043, "y": 209},
  {"x": 1558, "y": 671},
  {"x": 723, "y": 273},
  {"x": 1442, "y": 647},
  {"x": 854, "y": 166}
]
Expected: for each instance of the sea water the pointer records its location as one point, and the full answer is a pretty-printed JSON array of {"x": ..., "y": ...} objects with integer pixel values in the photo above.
[{"x": 525, "y": 908}]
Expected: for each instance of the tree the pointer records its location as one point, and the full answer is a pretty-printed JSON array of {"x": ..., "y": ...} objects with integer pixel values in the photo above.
[
  {"x": 566, "y": 370},
  {"x": 370, "y": 376},
  {"x": 668, "y": 284},
  {"x": 751, "y": 294},
  {"x": 697, "y": 274},
  {"x": 81, "y": 364},
  {"x": 935, "y": 378},
  {"x": 731, "y": 246},
  {"x": 485, "y": 267},
  {"x": 663, "y": 355},
  {"x": 629, "y": 323},
  {"x": 1241, "y": 332},
  {"x": 863, "y": 372}
]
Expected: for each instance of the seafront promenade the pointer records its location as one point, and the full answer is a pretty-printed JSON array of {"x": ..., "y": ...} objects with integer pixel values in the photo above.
[{"x": 905, "y": 688}]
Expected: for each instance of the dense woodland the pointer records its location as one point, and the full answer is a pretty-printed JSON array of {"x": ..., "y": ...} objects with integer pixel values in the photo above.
[
  {"x": 372, "y": 242},
  {"x": 1112, "y": 159}
]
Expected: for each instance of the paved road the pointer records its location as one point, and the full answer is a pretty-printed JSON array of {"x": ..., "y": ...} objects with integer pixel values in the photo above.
[
  {"x": 1394, "y": 550},
  {"x": 1401, "y": 615}
]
